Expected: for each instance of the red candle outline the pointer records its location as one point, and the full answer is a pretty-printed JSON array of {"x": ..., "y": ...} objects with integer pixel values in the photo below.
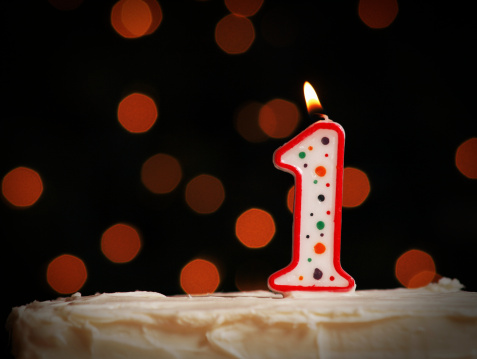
[{"x": 297, "y": 210}]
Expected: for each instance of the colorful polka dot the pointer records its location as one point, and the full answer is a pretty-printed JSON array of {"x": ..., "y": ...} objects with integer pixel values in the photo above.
[
  {"x": 317, "y": 274},
  {"x": 300, "y": 277},
  {"x": 302, "y": 155},
  {"x": 320, "y": 248},
  {"x": 321, "y": 198},
  {"x": 326, "y": 155},
  {"x": 332, "y": 278},
  {"x": 305, "y": 165},
  {"x": 320, "y": 171},
  {"x": 315, "y": 181},
  {"x": 328, "y": 212},
  {"x": 309, "y": 259},
  {"x": 327, "y": 185},
  {"x": 325, "y": 140},
  {"x": 320, "y": 225},
  {"x": 310, "y": 148}
]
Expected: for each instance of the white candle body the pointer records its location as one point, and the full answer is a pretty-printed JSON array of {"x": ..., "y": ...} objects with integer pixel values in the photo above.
[{"x": 315, "y": 158}]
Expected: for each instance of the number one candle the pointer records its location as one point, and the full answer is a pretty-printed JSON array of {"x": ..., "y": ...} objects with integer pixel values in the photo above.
[{"x": 315, "y": 158}]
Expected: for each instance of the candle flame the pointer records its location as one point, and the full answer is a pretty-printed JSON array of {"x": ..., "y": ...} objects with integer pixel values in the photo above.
[{"x": 312, "y": 102}]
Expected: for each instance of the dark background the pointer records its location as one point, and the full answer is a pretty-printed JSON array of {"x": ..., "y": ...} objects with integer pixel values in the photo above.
[{"x": 404, "y": 94}]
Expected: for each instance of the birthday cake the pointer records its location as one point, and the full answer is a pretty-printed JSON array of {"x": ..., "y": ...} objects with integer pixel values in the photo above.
[{"x": 436, "y": 321}]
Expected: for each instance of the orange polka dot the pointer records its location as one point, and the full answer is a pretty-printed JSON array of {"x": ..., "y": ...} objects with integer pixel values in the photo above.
[
  {"x": 320, "y": 171},
  {"x": 300, "y": 277},
  {"x": 310, "y": 148},
  {"x": 320, "y": 248}
]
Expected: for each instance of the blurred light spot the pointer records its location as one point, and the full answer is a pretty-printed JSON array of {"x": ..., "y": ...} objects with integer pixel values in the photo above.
[
  {"x": 255, "y": 228},
  {"x": 135, "y": 18},
  {"x": 156, "y": 12},
  {"x": 466, "y": 158},
  {"x": 120, "y": 243},
  {"x": 22, "y": 186},
  {"x": 161, "y": 173},
  {"x": 278, "y": 118},
  {"x": 252, "y": 276},
  {"x": 137, "y": 113},
  {"x": 65, "y": 5},
  {"x": 199, "y": 277},
  {"x": 291, "y": 198},
  {"x": 66, "y": 274},
  {"x": 134, "y": 15},
  {"x": 356, "y": 187},
  {"x": 243, "y": 7},
  {"x": 415, "y": 269},
  {"x": 246, "y": 122},
  {"x": 234, "y": 34},
  {"x": 421, "y": 279},
  {"x": 205, "y": 194},
  {"x": 378, "y": 14},
  {"x": 278, "y": 27}
]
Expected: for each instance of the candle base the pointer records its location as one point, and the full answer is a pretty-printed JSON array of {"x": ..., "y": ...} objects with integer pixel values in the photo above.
[{"x": 286, "y": 281}]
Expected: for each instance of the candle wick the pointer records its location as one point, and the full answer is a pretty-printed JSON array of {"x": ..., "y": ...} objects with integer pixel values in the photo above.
[{"x": 319, "y": 116}]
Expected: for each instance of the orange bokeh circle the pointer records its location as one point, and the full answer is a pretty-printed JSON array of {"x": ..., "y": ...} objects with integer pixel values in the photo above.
[
  {"x": 255, "y": 228},
  {"x": 199, "y": 277},
  {"x": 120, "y": 243},
  {"x": 22, "y": 187},
  {"x": 66, "y": 274}
]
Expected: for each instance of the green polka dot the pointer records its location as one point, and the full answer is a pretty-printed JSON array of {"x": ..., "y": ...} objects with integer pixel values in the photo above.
[
  {"x": 320, "y": 225},
  {"x": 315, "y": 181},
  {"x": 302, "y": 155},
  {"x": 309, "y": 259}
]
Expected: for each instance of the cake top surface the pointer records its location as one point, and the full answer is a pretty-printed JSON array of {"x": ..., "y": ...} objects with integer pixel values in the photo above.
[
  {"x": 435, "y": 321},
  {"x": 442, "y": 298}
]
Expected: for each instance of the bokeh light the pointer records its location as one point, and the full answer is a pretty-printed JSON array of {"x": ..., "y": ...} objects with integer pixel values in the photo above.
[
  {"x": 378, "y": 14},
  {"x": 161, "y": 173},
  {"x": 243, "y": 7},
  {"x": 22, "y": 187},
  {"x": 356, "y": 187},
  {"x": 199, "y": 277},
  {"x": 136, "y": 18},
  {"x": 278, "y": 118},
  {"x": 156, "y": 12},
  {"x": 65, "y": 5},
  {"x": 255, "y": 228},
  {"x": 137, "y": 113},
  {"x": 291, "y": 198},
  {"x": 205, "y": 194},
  {"x": 466, "y": 158},
  {"x": 120, "y": 243},
  {"x": 246, "y": 122},
  {"x": 234, "y": 34},
  {"x": 66, "y": 274},
  {"x": 415, "y": 269}
]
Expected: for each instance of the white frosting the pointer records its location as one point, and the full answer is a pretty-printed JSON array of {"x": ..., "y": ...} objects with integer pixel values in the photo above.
[{"x": 435, "y": 321}]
